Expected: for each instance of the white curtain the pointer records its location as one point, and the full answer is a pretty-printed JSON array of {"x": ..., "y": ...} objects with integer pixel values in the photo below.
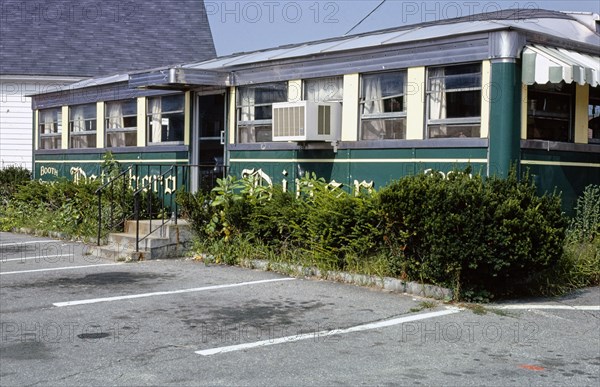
[
  {"x": 156, "y": 119},
  {"x": 373, "y": 105},
  {"x": 116, "y": 121},
  {"x": 437, "y": 97},
  {"x": 48, "y": 122},
  {"x": 79, "y": 126},
  {"x": 247, "y": 101},
  {"x": 325, "y": 89},
  {"x": 437, "y": 100}
]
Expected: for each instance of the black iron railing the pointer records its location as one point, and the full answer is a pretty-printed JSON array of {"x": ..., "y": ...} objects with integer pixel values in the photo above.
[
  {"x": 148, "y": 191},
  {"x": 121, "y": 182}
]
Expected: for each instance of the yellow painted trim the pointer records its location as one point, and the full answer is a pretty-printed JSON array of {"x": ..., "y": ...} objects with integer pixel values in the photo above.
[
  {"x": 486, "y": 87},
  {"x": 187, "y": 118},
  {"x": 141, "y": 121},
  {"x": 295, "y": 90},
  {"x": 582, "y": 99},
  {"x": 523, "y": 112},
  {"x": 560, "y": 163},
  {"x": 100, "y": 138},
  {"x": 36, "y": 139},
  {"x": 232, "y": 115},
  {"x": 159, "y": 161},
  {"x": 65, "y": 128},
  {"x": 347, "y": 161},
  {"x": 350, "y": 107},
  {"x": 415, "y": 103}
]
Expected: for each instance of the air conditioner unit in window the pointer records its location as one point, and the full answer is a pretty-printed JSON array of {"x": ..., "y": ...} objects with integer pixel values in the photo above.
[{"x": 306, "y": 121}]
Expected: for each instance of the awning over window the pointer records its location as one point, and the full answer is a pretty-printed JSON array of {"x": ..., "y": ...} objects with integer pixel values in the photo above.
[{"x": 543, "y": 64}]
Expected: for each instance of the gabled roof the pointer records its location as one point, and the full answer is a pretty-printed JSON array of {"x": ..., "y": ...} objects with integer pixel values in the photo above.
[{"x": 86, "y": 38}]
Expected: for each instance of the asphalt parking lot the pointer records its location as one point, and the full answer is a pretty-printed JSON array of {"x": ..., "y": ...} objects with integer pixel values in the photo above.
[{"x": 68, "y": 318}]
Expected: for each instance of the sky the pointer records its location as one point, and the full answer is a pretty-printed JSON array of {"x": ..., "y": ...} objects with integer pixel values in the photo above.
[{"x": 246, "y": 25}]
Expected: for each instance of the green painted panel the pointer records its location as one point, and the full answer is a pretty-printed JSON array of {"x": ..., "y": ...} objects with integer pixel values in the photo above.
[
  {"x": 561, "y": 156},
  {"x": 565, "y": 172},
  {"x": 504, "y": 96},
  {"x": 357, "y": 165},
  {"x": 88, "y": 165}
]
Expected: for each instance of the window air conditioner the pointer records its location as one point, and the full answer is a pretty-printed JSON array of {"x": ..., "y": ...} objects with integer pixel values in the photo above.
[{"x": 306, "y": 121}]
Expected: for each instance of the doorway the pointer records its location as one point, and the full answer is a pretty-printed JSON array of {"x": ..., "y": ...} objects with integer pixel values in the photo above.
[{"x": 208, "y": 151}]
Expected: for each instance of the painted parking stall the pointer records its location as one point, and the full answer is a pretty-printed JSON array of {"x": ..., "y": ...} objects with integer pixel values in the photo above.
[{"x": 127, "y": 318}]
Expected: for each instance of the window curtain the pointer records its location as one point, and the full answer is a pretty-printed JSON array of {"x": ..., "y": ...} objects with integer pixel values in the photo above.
[
  {"x": 49, "y": 123},
  {"x": 156, "y": 119},
  {"x": 247, "y": 101},
  {"x": 373, "y": 105},
  {"x": 325, "y": 89},
  {"x": 116, "y": 121},
  {"x": 437, "y": 96},
  {"x": 79, "y": 126}
]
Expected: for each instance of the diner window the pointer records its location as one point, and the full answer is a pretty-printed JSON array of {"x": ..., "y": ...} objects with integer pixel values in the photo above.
[
  {"x": 594, "y": 116},
  {"x": 383, "y": 106},
  {"x": 550, "y": 112},
  {"x": 50, "y": 128},
  {"x": 166, "y": 119},
  {"x": 82, "y": 126},
  {"x": 329, "y": 89},
  {"x": 121, "y": 123},
  {"x": 255, "y": 111},
  {"x": 454, "y": 101}
]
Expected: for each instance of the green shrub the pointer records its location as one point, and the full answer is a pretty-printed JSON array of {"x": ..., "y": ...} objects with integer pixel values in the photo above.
[
  {"x": 483, "y": 237},
  {"x": 11, "y": 178},
  {"x": 61, "y": 206},
  {"x": 472, "y": 234},
  {"x": 579, "y": 265},
  {"x": 585, "y": 225}
]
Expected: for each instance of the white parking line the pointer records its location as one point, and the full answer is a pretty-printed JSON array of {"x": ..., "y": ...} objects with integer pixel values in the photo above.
[
  {"x": 25, "y": 243},
  {"x": 40, "y": 257},
  {"x": 322, "y": 334},
  {"x": 142, "y": 295},
  {"x": 549, "y": 307},
  {"x": 60, "y": 268}
]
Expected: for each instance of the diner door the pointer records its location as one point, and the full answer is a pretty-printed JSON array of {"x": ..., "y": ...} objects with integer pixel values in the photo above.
[{"x": 208, "y": 139}]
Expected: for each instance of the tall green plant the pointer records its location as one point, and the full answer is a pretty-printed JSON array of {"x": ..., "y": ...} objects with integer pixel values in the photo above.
[{"x": 585, "y": 225}]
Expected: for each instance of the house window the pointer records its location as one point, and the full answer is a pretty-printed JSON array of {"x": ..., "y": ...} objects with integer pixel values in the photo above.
[
  {"x": 166, "y": 119},
  {"x": 454, "y": 101},
  {"x": 550, "y": 112},
  {"x": 50, "y": 128},
  {"x": 121, "y": 123},
  {"x": 82, "y": 126},
  {"x": 594, "y": 116},
  {"x": 324, "y": 89},
  {"x": 255, "y": 111},
  {"x": 383, "y": 106}
]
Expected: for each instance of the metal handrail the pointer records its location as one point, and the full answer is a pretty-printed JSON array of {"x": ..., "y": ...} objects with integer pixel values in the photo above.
[
  {"x": 99, "y": 192},
  {"x": 185, "y": 170},
  {"x": 148, "y": 188}
]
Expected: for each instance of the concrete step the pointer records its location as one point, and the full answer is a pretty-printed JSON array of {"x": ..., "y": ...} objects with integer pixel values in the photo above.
[
  {"x": 118, "y": 255},
  {"x": 170, "y": 240},
  {"x": 165, "y": 230},
  {"x": 127, "y": 241}
]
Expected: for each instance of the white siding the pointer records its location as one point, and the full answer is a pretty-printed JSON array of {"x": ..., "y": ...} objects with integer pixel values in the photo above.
[{"x": 16, "y": 119}]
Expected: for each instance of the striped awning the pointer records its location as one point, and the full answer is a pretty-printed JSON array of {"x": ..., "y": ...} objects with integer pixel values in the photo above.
[{"x": 542, "y": 64}]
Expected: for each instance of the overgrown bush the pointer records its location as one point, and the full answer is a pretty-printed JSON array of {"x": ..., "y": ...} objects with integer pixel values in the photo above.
[
  {"x": 579, "y": 265},
  {"x": 68, "y": 207},
  {"x": 11, "y": 178},
  {"x": 61, "y": 206},
  {"x": 482, "y": 237},
  {"x": 477, "y": 236}
]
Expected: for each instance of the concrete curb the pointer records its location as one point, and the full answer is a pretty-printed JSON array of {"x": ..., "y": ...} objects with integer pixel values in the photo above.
[
  {"x": 53, "y": 234},
  {"x": 385, "y": 283}
]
